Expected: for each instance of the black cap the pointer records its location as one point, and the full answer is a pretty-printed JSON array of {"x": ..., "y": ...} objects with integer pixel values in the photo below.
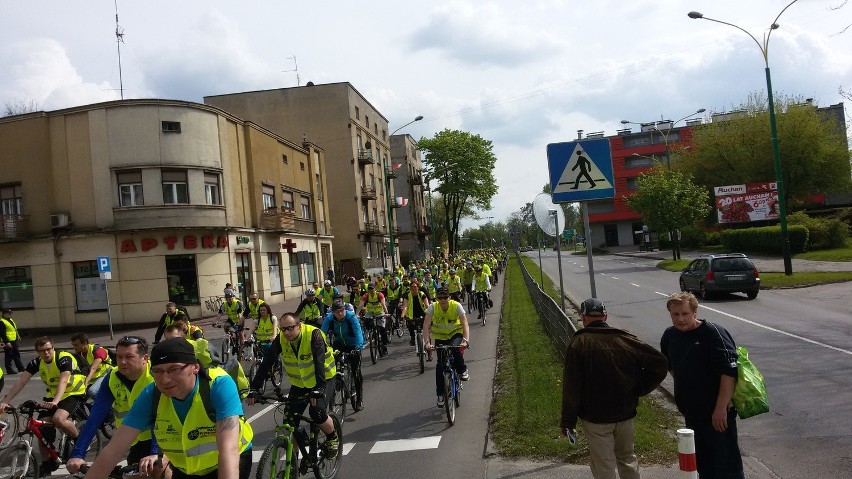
[
  {"x": 371, "y": 286},
  {"x": 174, "y": 350},
  {"x": 338, "y": 305},
  {"x": 592, "y": 307}
]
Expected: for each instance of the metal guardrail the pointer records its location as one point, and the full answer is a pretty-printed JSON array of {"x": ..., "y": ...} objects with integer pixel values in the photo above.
[{"x": 559, "y": 326}]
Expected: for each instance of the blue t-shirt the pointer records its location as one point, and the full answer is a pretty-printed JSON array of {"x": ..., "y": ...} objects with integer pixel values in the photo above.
[{"x": 223, "y": 397}]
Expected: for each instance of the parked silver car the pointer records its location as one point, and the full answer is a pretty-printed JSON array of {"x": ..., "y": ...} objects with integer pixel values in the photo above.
[{"x": 714, "y": 273}]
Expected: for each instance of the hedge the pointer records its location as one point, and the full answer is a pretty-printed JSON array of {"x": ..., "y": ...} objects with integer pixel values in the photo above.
[
  {"x": 766, "y": 239},
  {"x": 823, "y": 233}
]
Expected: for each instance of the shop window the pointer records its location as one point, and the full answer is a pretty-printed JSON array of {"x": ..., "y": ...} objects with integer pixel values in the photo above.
[
  {"x": 16, "y": 288},
  {"x": 310, "y": 269},
  {"x": 90, "y": 289},
  {"x": 295, "y": 277},
  {"x": 212, "y": 190},
  {"x": 175, "y": 190},
  {"x": 274, "y": 260},
  {"x": 182, "y": 279}
]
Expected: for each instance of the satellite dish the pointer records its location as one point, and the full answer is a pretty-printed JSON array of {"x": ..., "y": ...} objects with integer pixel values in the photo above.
[{"x": 542, "y": 206}]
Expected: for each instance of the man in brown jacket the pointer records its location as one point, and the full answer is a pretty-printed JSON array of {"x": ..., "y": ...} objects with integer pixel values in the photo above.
[{"x": 606, "y": 371}]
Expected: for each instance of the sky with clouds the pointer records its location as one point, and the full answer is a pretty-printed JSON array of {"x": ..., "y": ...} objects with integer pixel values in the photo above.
[{"x": 521, "y": 74}]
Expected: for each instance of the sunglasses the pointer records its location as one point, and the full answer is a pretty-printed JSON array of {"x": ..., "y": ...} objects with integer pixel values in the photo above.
[
  {"x": 287, "y": 329},
  {"x": 443, "y": 298},
  {"x": 130, "y": 340}
]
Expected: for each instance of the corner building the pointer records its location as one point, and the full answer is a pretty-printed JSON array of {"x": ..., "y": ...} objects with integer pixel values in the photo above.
[{"x": 182, "y": 197}]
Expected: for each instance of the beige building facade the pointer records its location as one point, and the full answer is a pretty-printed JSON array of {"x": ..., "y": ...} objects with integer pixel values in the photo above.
[
  {"x": 412, "y": 219},
  {"x": 182, "y": 198},
  {"x": 355, "y": 138}
]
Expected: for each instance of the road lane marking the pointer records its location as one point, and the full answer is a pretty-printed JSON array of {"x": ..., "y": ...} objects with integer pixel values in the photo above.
[
  {"x": 634, "y": 284},
  {"x": 398, "y": 445},
  {"x": 769, "y": 328},
  {"x": 261, "y": 413},
  {"x": 614, "y": 277}
]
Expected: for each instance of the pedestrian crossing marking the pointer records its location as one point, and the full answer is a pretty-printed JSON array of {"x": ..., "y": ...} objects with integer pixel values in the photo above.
[
  {"x": 398, "y": 445},
  {"x": 581, "y": 174}
]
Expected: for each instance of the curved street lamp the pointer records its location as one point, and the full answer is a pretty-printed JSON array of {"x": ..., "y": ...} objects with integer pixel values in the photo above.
[
  {"x": 388, "y": 200},
  {"x": 776, "y": 153}
]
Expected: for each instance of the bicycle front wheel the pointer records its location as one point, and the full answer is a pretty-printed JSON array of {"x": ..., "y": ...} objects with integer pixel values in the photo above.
[
  {"x": 421, "y": 352},
  {"x": 17, "y": 464},
  {"x": 338, "y": 398},
  {"x": 273, "y": 462},
  {"x": 226, "y": 348},
  {"x": 374, "y": 347},
  {"x": 10, "y": 424},
  {"x": 277, "y": 376},
  {"x": 449, "y": 400},
  {"x": 326, "y": 467}
]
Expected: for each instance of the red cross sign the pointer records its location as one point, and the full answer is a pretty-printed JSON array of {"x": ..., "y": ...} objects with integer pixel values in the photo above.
[{"x": 289, "y": 245}]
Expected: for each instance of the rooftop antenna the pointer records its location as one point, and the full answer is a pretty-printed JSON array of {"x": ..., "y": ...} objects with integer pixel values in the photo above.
[
  {"x": 119, "y": 39},
  {"x": 296, "y": 69}
]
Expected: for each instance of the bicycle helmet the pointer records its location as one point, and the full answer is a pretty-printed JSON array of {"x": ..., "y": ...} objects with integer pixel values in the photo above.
[
  {"x": 310, "y": 292},
  {"x": 327, "y": 282}
]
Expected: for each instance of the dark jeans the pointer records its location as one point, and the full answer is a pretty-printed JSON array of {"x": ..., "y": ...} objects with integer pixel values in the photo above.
[
  {"x": 458, "y": 361},
  {"x": 717, "y": 453},
  {"x": 245, "y": 469},
  {"x": 13, "y": 354}
]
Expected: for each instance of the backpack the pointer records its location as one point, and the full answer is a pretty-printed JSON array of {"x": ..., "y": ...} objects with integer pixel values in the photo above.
[{"x": 185, "y": 312}]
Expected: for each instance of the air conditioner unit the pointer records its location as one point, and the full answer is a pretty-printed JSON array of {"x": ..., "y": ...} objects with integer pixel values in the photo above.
[{"x": 59, "y": 220}]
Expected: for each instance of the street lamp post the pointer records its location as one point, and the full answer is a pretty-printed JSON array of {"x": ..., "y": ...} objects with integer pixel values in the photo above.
[
  {"x": 388, "y": 199},
  {"x": 665, "y": 135},
  {"x": 776, "y": 153}
]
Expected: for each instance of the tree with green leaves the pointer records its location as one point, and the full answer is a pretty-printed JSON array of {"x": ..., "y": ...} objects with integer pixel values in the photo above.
[
  {"x": 462, "y": 165},
  {"x": 813, "y": 147},
  {"x": 669, "y": 200}
]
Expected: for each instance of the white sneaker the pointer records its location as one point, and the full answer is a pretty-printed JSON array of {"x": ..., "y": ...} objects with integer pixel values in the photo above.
[
  {"x": 440, "y": 401},
  {"x": 465, "y": 376}
]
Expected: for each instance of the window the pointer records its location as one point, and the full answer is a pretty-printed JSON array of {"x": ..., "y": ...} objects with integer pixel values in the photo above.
[
  {"x": 357, "y": 113},
  {"x": 364, "y": 214},
  {"x": 274, "y": 272},
  {"x": 376, "y": 216},
  {"x": 369, "y": 247},
  {"x": 306, "y": 207},
  {"x": 285, "y": 160},
  {"x": 212, "y": 195},
  {"x": 310, "y": 270},
  {"x": 295, "y": 277},
  {"x": 302, "y": 165},
  {"x": 383, "y": 218},
  {"x": 171, "y": 127},
  {"x": 372, "y": 180},
  {"x": 182, "y": 279},
  {"x": 367, "y": 121},
  {"x": 16, "y": 287},
  {"x": 175, "y": 190},
  {"x": 638, "y": 161},
  {"x": 287, "y": 200},
  {"x": 631, "y": 183},
  {"x": 11, "y": 199},
  {"x": 268, "y": 197},
  {"x": 318, "y": 187},
  {"x": 89, "y": 287},
  {"x": 376, "y": 128}
]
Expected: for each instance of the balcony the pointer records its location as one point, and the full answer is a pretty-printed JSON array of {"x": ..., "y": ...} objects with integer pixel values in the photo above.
[
  {"x": 13, "y": 226},
  {"x": 372, "y": 229},
  {"x": 368, "y": 193},
  {"x": 391, "y": 173},
  {"x": 415, "y": 180},
  {"x": 308, "y": 227},
  {"x": 278, "y": 219},
  {"x": 365, "y": 157}
]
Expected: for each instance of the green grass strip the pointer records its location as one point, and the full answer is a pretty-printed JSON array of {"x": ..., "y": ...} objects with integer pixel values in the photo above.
[
  {"x": 798, "y": 280},
  {"x": 528, "y": 390}
]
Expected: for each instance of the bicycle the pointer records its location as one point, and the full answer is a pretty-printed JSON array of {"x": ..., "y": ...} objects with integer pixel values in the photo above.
[
  {"x": 280, "y": 460},
  {"x": 18, "y": 460},
  {"x": 452, "y": 382},
  {"x": 419, "y": 343},
  {"x": 396, "y": 322},
  {"x": 482, "y": 305},
  {"x": 230, "y": 341},
  {"x": 470, "y": 300},
  {"x": 344, "y": 387},
  {"x": 372, "y": 336},
  {"x": 276, "y": 374}
]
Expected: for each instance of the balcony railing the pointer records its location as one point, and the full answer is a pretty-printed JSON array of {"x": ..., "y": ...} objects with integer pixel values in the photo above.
[
  {"x": 391, "y": 173},
  {"x": 365, "y": 157},
  {"x": 415, "y": 180},
  {"x": 278, "y": 219},
  {"x": 13, "y": 226},
  {"x": 372, "y": 229},
  {"x": 368, "y": 193}
]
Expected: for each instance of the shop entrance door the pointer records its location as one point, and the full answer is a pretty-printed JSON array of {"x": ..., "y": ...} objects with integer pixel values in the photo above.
[{"x": 244, "y": 285}]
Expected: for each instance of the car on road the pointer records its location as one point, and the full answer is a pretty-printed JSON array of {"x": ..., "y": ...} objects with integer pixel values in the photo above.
[{"x": 718, "y": 273}]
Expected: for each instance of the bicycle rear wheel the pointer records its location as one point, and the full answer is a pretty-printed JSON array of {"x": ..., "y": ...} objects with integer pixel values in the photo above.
[
  {"x": 351, "y": 377},
  {"x": 273, "y": 462},
  {"x": 226, "y": 348},
  {"x": 327, "y": 468},
  {"x": 457, "y": 395},
  {"x": 397, "y": 326},
  {"x": 15, "y": 463},
  {"x": 449, "y": 401}
]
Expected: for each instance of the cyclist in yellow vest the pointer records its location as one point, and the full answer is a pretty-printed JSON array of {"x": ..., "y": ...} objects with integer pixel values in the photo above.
[
  {"x": 446, "y": 322},
  {"x": 199, "y": 442},
  {"x": 374, "y": 303},
  {"x": 309, "y": 363},
  {"x": 93, "y": 360},
  {"x": 310, "y": 310},
  {"x": 394, "y": 295},
  {"x": 267, "y": 328},
  {"x": 481, "y": 285},
  {"x": 65, "y": 390},
  {"x": 171, "y": 315},
  {"x": 124, "y": 384},
  {"x": 9, "y": 342},
  {"x": 429, "y": 286},
  {"x": 250, "y": 311},
  {"x": 454, "y": 285},
  {"x": 414, "y": 308},
  {"x": 232, "y": 308}
]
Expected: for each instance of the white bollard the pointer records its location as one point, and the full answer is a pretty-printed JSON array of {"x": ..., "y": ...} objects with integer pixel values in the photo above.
[{"x": 686, "y": 453}]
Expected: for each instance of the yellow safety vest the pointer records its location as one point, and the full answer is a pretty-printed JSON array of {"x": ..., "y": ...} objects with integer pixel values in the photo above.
[
  {"x": 300, "y": 369},
  {"x": 179, "y": 315},
  {"x": 193, "y": 329},
  {"x": 486, "y": 269},
  {"x": 191, "y": 445},
  {"x": 481, "y": 279},
  {"x": 430, "y": 287},
  {"x": 231, "y": 309},
  {"x": 125, "y": 398},
  {"x": 393, "y": 294},
  {"x": 373, "y": 306},
  {"x": 49, "y": 373},
  {"x": 446, "y": 324},
  {"x": 11, "y": 328},
  {"x": 310, "y": 311},
  {"x": 254, "y": 307},
  {"x": 454, "y": 284},
  {"x": 105, "y": 365},
  {"x": 409, "y": 311},
  {"x": 264, "y": 328},
  {"x": 326, "y": 296}
]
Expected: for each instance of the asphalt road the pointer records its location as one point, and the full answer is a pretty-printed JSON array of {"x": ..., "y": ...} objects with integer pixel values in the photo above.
[{"x": 800, "y": 339}]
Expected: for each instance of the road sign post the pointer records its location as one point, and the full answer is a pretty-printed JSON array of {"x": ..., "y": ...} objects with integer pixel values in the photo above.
[{"x": 105, "y": 272}]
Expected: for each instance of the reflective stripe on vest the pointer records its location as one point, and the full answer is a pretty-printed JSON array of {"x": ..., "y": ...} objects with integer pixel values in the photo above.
[
  {"x": 123, "y": 399},
  {"x": 446, "y": 324},
  {"x": 300, "y": 369},
  {"x": 191, "y": 445},
  {"x": 50, "y": 376}
]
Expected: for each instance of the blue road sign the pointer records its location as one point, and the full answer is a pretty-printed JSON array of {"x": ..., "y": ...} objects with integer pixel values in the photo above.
[
  {"x": 103, "y": 264},
  {"x": 580, "y": 170}
]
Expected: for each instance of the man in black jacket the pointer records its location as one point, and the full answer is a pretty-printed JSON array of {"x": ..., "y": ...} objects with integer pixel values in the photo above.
[{"x": 606, "y": 371}]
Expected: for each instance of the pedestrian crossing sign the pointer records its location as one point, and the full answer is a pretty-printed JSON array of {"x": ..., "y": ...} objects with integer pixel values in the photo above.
[{"x": 580, "y": 170}]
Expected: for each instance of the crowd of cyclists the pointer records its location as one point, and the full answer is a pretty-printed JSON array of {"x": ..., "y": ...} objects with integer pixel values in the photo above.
[{"x": 199, "y": 428}]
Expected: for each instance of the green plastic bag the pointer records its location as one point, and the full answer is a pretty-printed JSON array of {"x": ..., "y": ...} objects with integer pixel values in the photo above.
[{"x": 750, "y": 394}]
